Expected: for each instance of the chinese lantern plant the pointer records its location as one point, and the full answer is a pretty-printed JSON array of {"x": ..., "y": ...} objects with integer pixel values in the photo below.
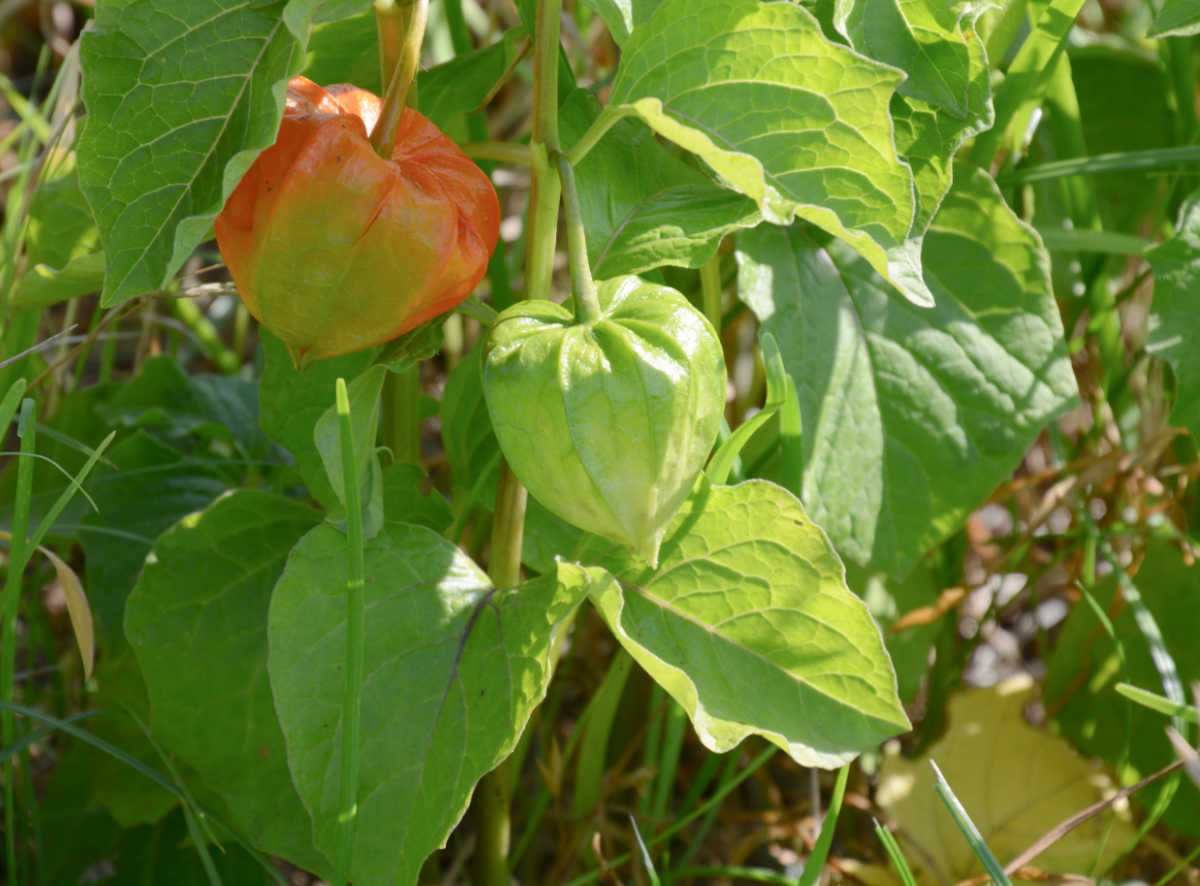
[{"x": 361, "y": 222}]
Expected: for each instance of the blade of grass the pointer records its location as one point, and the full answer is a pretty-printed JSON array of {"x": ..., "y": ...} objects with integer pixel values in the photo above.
[
  {"x": 714, "y": 801},
  {"x": 1156, "y": 702},
  {"x": 96, "y": 742},
  {"x": 706, "y": 823},
  {"x": 188, "y": 806},
  {"x": 1120, "y": 161},
  {"x": 1026, "y": 80},
  {"x": 892, "y": 848},
  {"x": 644, "y": 853},
  {"x": 18, "y": 557},
  {"x": 959, "y": 814},
  {"x": 723, "y": 459},
  {"x": 816, "y": 861},
  {"x": 589, "y": 771},
  {"x": 675, "y": 726},
  {"x": 1062, "y": 240},
  {"x": 30, "y": 737}
]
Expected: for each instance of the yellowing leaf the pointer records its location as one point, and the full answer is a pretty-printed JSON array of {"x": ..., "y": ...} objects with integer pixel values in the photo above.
[
  {"x": 77, "y": 607},
  {"x": 1015, "y": 781}
]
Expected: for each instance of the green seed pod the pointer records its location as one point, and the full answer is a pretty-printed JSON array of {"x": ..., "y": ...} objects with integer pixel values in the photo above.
[{"x": 607, "y": 423}]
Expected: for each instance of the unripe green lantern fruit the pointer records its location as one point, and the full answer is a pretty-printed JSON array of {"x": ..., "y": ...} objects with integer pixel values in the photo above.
[{"x": 607, "y": 423}]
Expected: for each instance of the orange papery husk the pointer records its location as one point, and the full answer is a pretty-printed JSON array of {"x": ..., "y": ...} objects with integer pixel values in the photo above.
[{"x": 334, "y": 248}]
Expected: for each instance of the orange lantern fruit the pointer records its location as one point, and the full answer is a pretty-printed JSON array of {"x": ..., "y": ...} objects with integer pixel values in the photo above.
[{"x": 334, "y": 248}]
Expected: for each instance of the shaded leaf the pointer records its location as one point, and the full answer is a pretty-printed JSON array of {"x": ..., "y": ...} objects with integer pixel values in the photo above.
[
  {"x": 454, "y": 670},
  {"x": 460, "y": 85},
  {"x": 197, "y": 621},
  {"x": 470, "y": 442},
  {"x": 895, "y": 399},
  {"x": 152, "y": 487},
  {"x": 62, "y": 258}
]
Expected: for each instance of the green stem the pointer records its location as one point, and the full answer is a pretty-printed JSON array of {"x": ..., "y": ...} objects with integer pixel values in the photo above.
[
  {"x": 583, "y": 288},
  {"x": 607, "y": 120},
  {"x": 546, "y": 188},
  {"x": 18, "y": 557},
  {"x": 499, "y": 152},
  {"x": 460, "y": 37},
  {"x": 355, "y": 644},
  {"x": 402, "y": 415},
  {"x": 711, "y": 291},
  {"x": 494, "y": 822},
  {"x": 401, "y": 27},
  {"x": 206, "y": 334},
  {"x": 543, "y": 224}
]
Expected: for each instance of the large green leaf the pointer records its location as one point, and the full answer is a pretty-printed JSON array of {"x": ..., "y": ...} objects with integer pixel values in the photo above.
[
  {"x": 896, "y": 401},
  {"x": 642, "y": 206},
  {"x": 1086, "y": 665},
  {"x": 748, "y": 623},
  {"x": 945, "y": 98},
  {"x": 454, "y": 670},
  {"x": 811, "y": 136},
  {"x": 1175, "y": 313},
  {"x": 181, "y": 96},
  {"x": 197, "y": 621}
]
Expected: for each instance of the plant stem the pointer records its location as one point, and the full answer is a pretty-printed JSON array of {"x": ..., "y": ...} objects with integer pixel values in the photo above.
[
  {"x": 711, "y": 291},
  {"x": 355, "y": 644},
  {"x": 401, "y": 430},
  {"x": 602, "y": 124},
  {"x": 494, "y": 823},
  {"x": 546, "y": 189},
  {"x": 401, "y": 27},
  {"x": 18, "y": 557},
  {"x": 583, "y": 288},
  {"x": 498, "y": 152}
]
